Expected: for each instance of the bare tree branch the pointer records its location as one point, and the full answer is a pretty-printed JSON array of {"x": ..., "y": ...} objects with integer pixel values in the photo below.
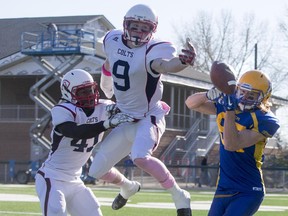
[{"x": 223, "y": 39}]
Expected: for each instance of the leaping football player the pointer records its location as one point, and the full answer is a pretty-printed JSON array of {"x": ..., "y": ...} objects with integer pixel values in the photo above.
[{"x": 132, "y": 72}]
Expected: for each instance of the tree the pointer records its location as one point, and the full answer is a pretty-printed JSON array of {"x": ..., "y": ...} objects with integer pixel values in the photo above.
[
  {"x": 279, "y": 160},
  {"x": 283, "y": 48},
  {"x": 284, "y": 26},
  {"x": 222, "y": 38}
]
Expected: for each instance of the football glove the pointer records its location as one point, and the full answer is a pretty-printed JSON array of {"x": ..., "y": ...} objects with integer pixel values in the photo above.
[
  {"x": 213, "y": 94},
  {"x": 188, "y": 55},
  {"x": 229, "y": 102},
  {"x": 117, "y": 119},
  {"x": 111, "y": 110}
]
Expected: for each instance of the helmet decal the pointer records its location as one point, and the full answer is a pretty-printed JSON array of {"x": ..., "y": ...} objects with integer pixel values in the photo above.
[{"x": 66, "y": 83}]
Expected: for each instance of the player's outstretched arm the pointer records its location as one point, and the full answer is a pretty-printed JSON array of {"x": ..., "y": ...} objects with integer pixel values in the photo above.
[
  {"x": 200, "y": 103},
  {"x": 176, "y": 64},
  {"x": 83, "y": 131},
  {"x": 86, "y": 131}
]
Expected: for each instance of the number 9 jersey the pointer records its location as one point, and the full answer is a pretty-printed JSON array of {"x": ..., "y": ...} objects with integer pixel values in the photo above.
[{"x": 137, "y": 88}]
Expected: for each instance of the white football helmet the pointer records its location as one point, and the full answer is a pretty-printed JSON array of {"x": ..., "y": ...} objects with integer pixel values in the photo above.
[
  {"x": 79, "y": 88},
  {"x": 142, "y": 14}
]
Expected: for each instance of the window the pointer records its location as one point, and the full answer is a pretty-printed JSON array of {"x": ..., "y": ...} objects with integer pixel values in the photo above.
[{"x": 180, "y": 117}]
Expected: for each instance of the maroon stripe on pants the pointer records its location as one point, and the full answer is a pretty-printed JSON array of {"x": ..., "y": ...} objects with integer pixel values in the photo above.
[
  {"x": 48, "y": 189},
  {"x": 153, "y": 121}
]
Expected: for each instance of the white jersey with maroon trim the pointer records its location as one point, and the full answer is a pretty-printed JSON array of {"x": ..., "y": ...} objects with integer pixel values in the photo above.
[
  {"x": 68, "y": 155},
  {"x": 138, "y": 89}
]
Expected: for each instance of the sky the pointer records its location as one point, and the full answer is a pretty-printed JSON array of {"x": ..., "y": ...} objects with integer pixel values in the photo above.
[{"x": 171, "y": 13}]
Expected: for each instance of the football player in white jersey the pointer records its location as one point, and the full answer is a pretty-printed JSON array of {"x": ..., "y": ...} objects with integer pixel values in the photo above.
[
  {"x": 78, "y": 125},
  {"x": 132, "y": 71}
]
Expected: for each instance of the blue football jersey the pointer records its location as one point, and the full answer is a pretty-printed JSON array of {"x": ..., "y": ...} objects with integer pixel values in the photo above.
[{"x": 240, "y": 171}]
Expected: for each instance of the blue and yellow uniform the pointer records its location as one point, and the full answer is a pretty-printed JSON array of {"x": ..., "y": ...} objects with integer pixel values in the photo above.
[{"x": 240, "y": 187}]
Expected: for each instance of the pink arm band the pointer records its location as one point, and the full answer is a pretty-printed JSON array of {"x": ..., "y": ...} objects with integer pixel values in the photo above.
[{"x": 105, "y": 72}]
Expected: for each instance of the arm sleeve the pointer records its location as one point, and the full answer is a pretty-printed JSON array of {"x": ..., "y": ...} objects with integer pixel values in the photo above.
[
  {"x": 84, "y": 131},
  {"x": 161, "y": 51},
  {"x": 106, "y": 83},
  {"x": 268, "y": 125}
]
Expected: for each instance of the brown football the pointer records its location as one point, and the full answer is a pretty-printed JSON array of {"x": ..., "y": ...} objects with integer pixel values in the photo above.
[{"x": 222, "y": 77}]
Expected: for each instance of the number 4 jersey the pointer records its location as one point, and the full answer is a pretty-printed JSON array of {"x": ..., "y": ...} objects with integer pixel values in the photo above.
[
  {"x": 137, "y": 88},
  {"x": 68, "y": 155}
]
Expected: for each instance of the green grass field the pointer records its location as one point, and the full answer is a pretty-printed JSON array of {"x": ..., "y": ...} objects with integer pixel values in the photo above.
[{"x": 146, "y": 202}]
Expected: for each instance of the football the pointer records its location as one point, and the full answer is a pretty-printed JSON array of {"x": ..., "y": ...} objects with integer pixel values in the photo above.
[{"x": 223, "y": 77}]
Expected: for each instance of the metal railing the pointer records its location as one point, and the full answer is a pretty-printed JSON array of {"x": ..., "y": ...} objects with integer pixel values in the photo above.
[
  {"x": 197, "y": 176},
  {"x": 58, "y": 42},
  {"x": 20, "y": 113}
]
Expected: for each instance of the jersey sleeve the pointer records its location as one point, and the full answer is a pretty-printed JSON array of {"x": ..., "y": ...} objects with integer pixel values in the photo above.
[
  {"x": 268, "y": 124},
  {"x": 104, "y": 42},
  {"x": 162, "y": 50},
  {"x": 61, "y": 114},
  {"x": 111, "y": 35},
  {"x": 106, "y": 84}
]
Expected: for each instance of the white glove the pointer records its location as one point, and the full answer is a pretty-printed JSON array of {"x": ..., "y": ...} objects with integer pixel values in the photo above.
[
  {"x": 117, "y": 119},
  {"x": 213, "y": 94},
  {"x": 111, "y": 110}
]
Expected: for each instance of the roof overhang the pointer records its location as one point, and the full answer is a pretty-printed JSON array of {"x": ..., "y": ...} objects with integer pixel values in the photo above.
[{"x": 180, "y": 80}]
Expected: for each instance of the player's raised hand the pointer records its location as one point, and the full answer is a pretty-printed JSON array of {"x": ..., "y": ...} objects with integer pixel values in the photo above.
[
  {"x": 117, "y": 119},
  {"x": 188, "y": 54}
]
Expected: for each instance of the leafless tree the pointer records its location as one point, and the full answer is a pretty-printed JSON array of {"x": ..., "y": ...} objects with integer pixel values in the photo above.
[
  {"x": 284, "y": 25},
  {"x": 245, "y": 44},
  {"x": 225, "y": 39}
]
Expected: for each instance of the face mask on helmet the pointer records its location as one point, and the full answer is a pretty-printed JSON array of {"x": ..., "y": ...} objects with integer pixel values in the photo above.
[
  {"x": 253, "y": 88},
  {"x": 140, "y": 22},
  {"x": 79, "y": 88}
]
